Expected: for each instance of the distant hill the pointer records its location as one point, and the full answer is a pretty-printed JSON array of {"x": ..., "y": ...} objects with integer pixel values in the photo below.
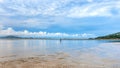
[
  {"x": 110, "y": 36},
  {"x": 52, "y": 38},
  {"x": 10, "y": 37}
]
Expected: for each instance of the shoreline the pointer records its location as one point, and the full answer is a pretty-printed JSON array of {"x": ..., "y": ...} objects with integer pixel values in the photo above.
[
  {"x": 50, "y": 61},
  {"x": 49, "y": 39},
  {"x": 37, "y": 62},
  {"x": 60, "y": 60},
  {"x": 87, "y": 59}
]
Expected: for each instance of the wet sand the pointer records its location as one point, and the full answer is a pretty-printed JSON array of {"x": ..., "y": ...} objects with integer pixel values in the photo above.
[
  {"x": 60, "y": 60},
  {"x": 91, "y": 58}
]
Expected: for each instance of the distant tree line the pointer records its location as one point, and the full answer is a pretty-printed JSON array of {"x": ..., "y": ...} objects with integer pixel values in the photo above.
[{"x": 111, "y": 36}]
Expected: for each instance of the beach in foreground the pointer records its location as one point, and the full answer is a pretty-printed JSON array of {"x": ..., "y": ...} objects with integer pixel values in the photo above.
[
  {"x": 60, "y": 61},
  {"x": 68, "y": 54}
]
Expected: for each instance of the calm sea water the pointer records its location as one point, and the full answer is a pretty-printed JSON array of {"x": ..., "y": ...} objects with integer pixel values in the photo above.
[{"x": 80, "y": 49}]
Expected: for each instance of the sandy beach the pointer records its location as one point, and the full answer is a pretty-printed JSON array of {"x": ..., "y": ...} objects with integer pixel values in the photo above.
[
  {"x": 50, "y": 61},
  {"x": 57, "y": 55},
  {"x": 60, "y": 60}
]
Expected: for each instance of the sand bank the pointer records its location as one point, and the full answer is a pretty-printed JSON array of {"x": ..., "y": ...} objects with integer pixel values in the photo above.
[{"x": 60, "y": 60}]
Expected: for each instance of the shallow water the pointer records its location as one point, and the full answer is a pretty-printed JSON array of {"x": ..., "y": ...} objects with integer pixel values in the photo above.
[{"x": 95, "y": 51}]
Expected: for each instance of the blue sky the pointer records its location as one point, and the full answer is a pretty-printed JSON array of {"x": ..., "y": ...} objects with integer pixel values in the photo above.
[{"x": 97, "y": 17}]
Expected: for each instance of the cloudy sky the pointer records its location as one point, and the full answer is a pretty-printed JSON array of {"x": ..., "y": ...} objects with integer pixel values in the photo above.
[{"x": 92, "y": 17}]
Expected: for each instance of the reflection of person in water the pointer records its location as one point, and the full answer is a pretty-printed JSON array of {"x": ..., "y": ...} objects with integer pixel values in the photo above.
[{"x": 60, "y": 40}]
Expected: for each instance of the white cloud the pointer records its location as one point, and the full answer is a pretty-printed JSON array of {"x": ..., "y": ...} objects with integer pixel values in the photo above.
[
  {"x": 26, "y": 33},
  {"x": 1, "y": 1},
  {"x": 58, "y": 10},
  {"x": 1, "y": 27},
  {"x": 90, "y": 0},
  {"x": 60, "y": 7},
  {"x": 95, "y": 9},
  {"x": 36, "y": 23}
]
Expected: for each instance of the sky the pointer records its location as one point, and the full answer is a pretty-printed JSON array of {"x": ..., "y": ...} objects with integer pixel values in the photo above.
[{"x": 85, "y": 18}]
